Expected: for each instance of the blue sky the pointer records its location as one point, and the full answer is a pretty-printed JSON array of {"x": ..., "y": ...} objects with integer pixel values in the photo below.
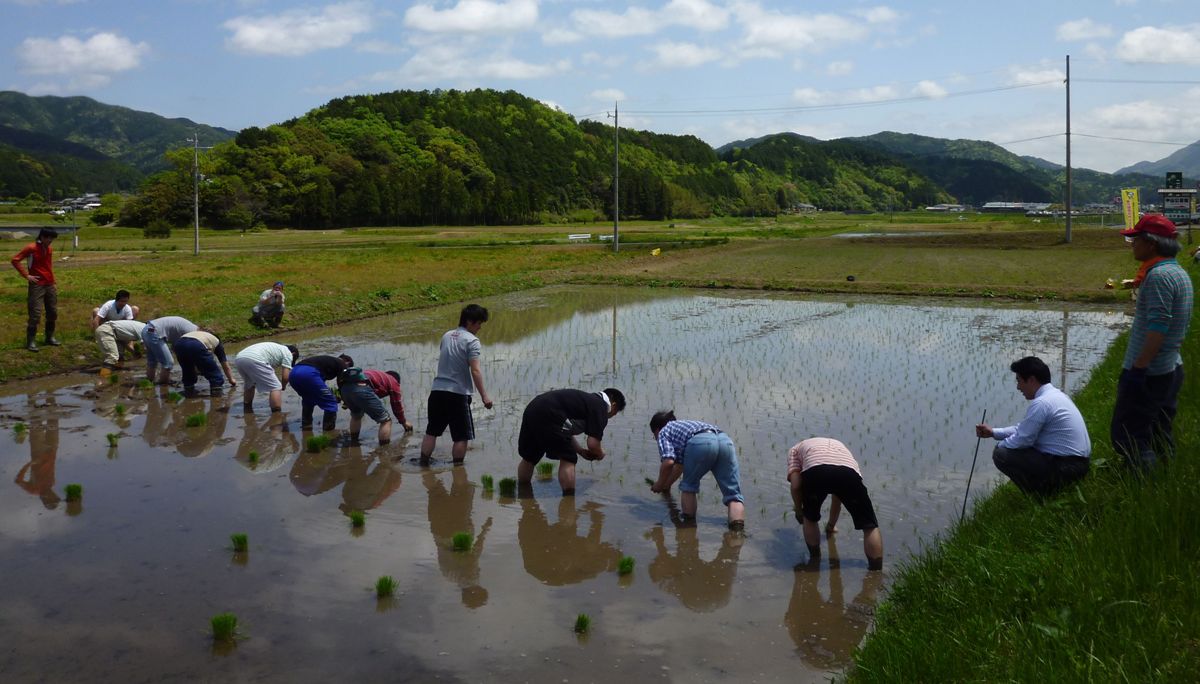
[{"x": 719, "y": 69}]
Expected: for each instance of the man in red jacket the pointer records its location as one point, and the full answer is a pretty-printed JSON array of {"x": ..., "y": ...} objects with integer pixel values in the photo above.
[{"x": 35, "y": 263}]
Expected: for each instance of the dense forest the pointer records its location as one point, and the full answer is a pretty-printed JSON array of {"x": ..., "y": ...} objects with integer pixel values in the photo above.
[{"x": 489, "y": 157}]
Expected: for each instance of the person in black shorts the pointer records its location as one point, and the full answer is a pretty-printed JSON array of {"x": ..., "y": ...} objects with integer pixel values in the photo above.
[
  {"x": 549, "y": 426},
  {"x": 817, "y": 468}
]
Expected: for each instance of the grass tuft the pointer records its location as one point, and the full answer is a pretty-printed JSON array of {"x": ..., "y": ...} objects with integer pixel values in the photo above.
[
  {"x": 240, "y": 541},
  {"x": 315, "y": 443},
  {"x": 385, "y": 586},
  {"x": 545, "y": 469},
  {"x": 582, "y": 623},
  {"x": 462, "y": 541},
  {"x": 358, "y": 518},
  {"x": 144, "y": 384},
  {"x": 252, "y": 457},
  {"x": 174, "y": 397},
  {"x": 625, "y": 566},
  {"x": 113, "y": 438},
  {"x": 508, "y": 487},
  {"x": 74, "y": 492},
  {"x": 224, "y": 627},
  {"x": 20, "y": 428},
  {"x": 114, "y": 379},
  {"x": 486, "y": 480},
  {"x": 197, "y": 420}
]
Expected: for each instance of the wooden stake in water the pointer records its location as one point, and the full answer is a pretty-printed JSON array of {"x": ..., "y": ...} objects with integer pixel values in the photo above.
[{"x": 975, "y": 458}]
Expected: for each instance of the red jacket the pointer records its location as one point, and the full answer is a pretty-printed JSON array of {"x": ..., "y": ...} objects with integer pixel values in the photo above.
[
  {"x": 41, "y": 262},
  {"x": 385, "y": 385}
]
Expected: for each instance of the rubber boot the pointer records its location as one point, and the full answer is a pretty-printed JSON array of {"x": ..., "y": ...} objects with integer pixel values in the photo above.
[
  {"x": 50, "y": 338},
  {"x": 329, "y": 422},
  {"x": 30, "y": 345}
]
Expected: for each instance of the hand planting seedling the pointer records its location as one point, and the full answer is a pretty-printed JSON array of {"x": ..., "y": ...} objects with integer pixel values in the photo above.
[
  {"x": 197, "y": 420},
  {"x": 625, "y": 566},
  {"x": 357, "y": 518},
  {"x": 582, "y": 623},
  {"x": 486, "y": 480},
  {"x": 385, "y": 586},
  {"x": 224, "y": 627},
  {"x": 241, "y": 542},
  {"x": 508, "y": 487},
  {"x": 462, "y": 541},
  {"x": 74, "y": 492}
]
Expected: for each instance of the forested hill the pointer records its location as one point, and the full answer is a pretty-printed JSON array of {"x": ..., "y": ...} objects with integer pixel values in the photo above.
[
  {"x": 483, "y": 156},
  {"x": 976, "y": 171},
  {"x": 133, "y": 137}
]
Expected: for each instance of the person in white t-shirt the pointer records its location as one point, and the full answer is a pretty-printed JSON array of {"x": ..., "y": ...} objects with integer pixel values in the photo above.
[{"x": 116, "y": 309}]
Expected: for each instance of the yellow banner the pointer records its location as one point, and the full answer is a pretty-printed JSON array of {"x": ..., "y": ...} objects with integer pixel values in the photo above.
[{"x": 1129, "y": 203}]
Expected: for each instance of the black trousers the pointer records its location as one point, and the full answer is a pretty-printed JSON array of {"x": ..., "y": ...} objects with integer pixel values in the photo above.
[
  {"x": 1037, "y": 473},
  {"x": 1142, "y": 418}
]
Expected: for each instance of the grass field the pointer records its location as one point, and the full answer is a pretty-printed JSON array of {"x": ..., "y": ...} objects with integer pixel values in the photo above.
[
  {"x": 339, "y": 275},
  {"x": 1097, "y": 584}
]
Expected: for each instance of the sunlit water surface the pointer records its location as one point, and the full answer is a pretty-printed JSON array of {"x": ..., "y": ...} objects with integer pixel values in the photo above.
[{"x": 121, "y": 586}]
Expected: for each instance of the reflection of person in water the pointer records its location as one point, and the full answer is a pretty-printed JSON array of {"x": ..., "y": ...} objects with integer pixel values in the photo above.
[
  {"x": 37, "y": 476},
  {"x": 315, "y": 473},
  {"x": 270, "y": 440},
  {"x": 700, "y": 585},
  {"x": 556, "y": 554},
  {"x": 198, "y": 441},
  {"x": 367, "y": 487},
  {"x": 826, "y": 632},
  {"x": 449, "y": 514}
]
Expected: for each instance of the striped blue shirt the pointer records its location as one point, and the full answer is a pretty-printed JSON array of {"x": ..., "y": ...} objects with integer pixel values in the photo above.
[
  {"x": 1164, "y": 305},
  {"x": 1052, "y": 425},
  {"x": 674, "y": 436}
]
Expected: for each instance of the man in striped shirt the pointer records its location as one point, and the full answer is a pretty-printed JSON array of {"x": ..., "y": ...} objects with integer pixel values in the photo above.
[
  {"x": 1152, "y": 373},
  {"x": 819, "y": 467}
]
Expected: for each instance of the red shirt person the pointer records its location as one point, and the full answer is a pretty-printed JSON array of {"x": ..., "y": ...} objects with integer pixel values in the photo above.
[{"x": 35, "y": 263}]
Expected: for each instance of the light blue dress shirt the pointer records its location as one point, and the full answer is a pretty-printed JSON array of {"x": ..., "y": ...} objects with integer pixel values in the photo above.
[{"x": 1052, "y": 425}]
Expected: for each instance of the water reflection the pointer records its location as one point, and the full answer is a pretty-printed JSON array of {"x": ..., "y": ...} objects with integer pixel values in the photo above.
[
  {"x": 556, "y": 554},
  {"x": 450, "y": 514},
  {"x": 37, "y": 476},
  {"x": 266, "y": 445},
  {"x": 363, "y": 487},
  {"x": 700, "y": 585},
  {"x": 826, "y": 630},
  {"x": 198, "y": 440}
]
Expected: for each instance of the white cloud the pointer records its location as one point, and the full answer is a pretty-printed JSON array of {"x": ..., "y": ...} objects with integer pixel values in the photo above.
[
  {"x": 1096, "y": 51},
  {"x": 380, "y": 47},
  {"x": 683, "y": 55},
  {"x": 929, "y": 89},
  {"x": 607, "y": 95},
  {"x": 299, "y": 32},
  {"x": 1149, "y": 44},
  {"x": 810, "y": 97},
  {"x": 771, "y": 33},
  {"x": 639, "y": 21},
  {"x": 474, "y": 16},
  {"x": 560, "y": 36},
  {"x": 879, "y": 15},
  {"x": 698, "y": 14},
  {"x": 608, "y": 61},
  {"x": 1082, "y": 29},
  {"x": 439, "y": 63},
  {"x": 1022, "y": 76},
  {"x": 840, "y": 68},
  {"x": 87, "y": 64}
]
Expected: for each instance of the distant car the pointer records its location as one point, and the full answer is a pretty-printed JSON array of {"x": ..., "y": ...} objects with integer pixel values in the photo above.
[{"x": 58, "y": 212}]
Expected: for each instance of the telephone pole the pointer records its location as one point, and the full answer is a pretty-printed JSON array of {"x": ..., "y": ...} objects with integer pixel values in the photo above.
[
  {"x": 616, "y": 178},
  {"x": 1068, "y": 198},
  {"x": 195, "y": 141}
]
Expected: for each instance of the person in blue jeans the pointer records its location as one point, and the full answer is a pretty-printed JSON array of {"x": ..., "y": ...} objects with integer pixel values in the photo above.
[
  {"x": 201, "y": 352},
  {"x": 308, "y": 378},
  {"x": 688, "y": 450}
]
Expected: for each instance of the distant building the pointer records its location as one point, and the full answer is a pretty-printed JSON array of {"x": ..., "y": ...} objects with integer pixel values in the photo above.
[
  {"x": 1013, "y": 207},
  {"x": 803, "y": 208},
  {"x": 946, "y": 207}
]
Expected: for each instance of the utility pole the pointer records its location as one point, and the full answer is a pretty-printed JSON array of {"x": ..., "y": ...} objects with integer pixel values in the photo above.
[
  {"x": 616, "y": 117},
  {"x": 1068, "y": 207},
  {"x": 195, "y": 141}
]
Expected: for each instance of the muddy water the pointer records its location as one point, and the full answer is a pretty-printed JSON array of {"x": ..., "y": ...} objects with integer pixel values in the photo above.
[{"x": 121, "y": 586}]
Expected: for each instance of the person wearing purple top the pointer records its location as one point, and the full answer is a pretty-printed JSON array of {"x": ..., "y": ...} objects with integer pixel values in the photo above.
[
  {"x": 308, "y": 378},
  {"x": 689, "y": 449}
]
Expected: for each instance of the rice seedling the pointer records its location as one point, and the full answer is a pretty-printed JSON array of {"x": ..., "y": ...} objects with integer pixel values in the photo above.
[
  {"x": 114, "y": 379},
  {"x": 112, "y": 438},
  {"x": 20, "y": 428},
  {"x": 385, "y": 586},
  {"x": 582, "y": 623},
  {"x": 487, "y": 482},
  {"x": 252, "y": 458},
  {"x": 508, "y": 487},
  {"x": 462, "y": 541},
  {"x": 197, "y": 420},
  {"x": 649, "y": 482},
  {"x": 74, "y": 492},
  {"x": 144, "y": 384},
  {"x": 358, "y": 518},
  {"x": 625, "y": 566},
  {"x": 240, "y": 541},
  {"x": 545, "y": 469},
  {"x": 224, "y": 627},
  {"x": 315, "y": 443},
  {"x": 174, "y": 397},
  {"x": 119, "y": 409}
]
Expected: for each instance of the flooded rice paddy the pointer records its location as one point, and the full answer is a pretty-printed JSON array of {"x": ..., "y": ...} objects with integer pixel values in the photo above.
[{"x": 121, "y": 585}]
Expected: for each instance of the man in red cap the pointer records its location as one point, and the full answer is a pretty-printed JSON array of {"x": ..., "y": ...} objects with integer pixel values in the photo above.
[{"x": 1152, "y": 373}]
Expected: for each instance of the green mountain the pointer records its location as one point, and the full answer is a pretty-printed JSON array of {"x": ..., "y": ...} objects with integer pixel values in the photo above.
[
  {"x": 34, "y": 162},
  {"x": 1186, "y": 160},
  {"x": 138, "y": 139},
  {"x": 484, "y": 156}
]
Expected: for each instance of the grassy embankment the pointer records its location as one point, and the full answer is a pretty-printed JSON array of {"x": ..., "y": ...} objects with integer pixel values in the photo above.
[
  {"x": 340, "y": 275},
  {"x": 1097, "y": 584}
]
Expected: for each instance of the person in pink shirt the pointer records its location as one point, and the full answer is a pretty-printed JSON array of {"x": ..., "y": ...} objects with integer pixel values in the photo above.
[{"x": 819, "y": 467}]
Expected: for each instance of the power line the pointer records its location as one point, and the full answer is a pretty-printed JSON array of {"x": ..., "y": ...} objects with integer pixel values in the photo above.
[
  {"x": 1135, "y": 140},
  {"x": 1135, "y": 80},
  {"x": 1039, "y": 137}
]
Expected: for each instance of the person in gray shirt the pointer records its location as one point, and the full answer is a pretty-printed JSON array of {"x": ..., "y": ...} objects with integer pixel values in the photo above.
[
  {"x": 157, "y": 336},
  {"x": 450, "y": 395}
]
